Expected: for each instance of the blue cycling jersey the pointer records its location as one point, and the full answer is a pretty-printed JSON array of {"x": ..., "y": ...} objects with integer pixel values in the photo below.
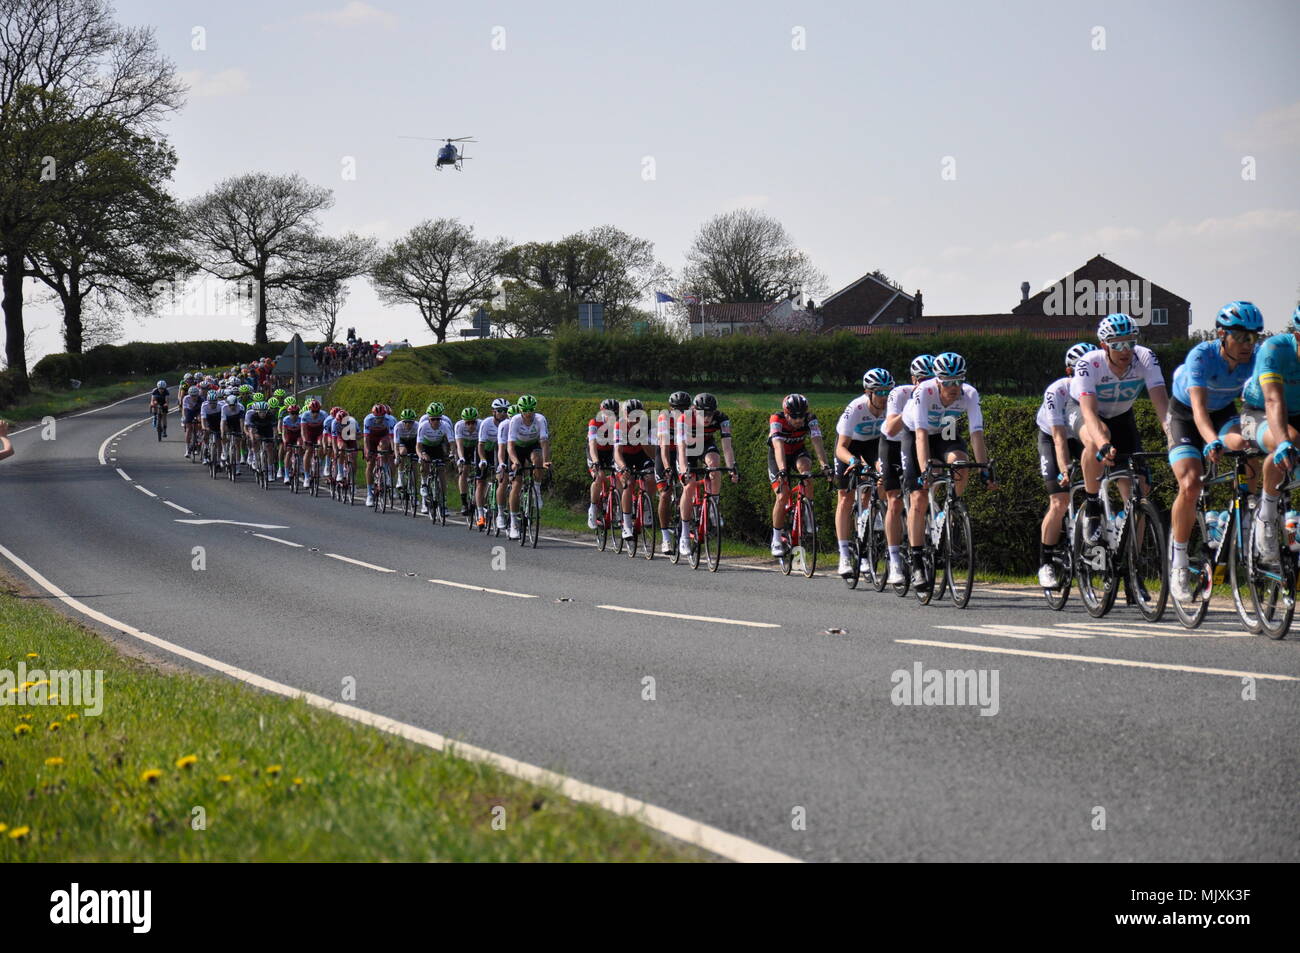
[
  {"x": 1276, "y": 362},
  {"x": 1206, "y": 367}
]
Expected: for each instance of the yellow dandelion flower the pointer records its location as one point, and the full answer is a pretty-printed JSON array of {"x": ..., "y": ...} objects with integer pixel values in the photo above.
[
  {"x": 274, "y": 769},
  {"x": 19, "y": 832},
  {"x": 151, "y": 776},
  {"x": 24, "y": 717},
  {"x": 297, "y": 781},
  {"x": 32, "y": 655},
  {"x": 72, "y": 715},
  {"x": 3, "y": 828},
  {"x": 186, "y": 761},
  {"x": 53, "y": 762},
  {"x": 22, "y": 729},
  {"x": 224, "y": 778},
  {"x": 54, "y": 726}
]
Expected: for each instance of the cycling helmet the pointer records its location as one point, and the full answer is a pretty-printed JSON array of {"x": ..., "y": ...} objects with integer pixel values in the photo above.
[
  {"x": 408, "y": 414},
  {"x": 274, "y": 403},
  {"x": 334, "y": 411},
  {"x": 1295, "y": 319},
  {"x": 278, "y": 392},
  {"x": 245, "y": 388},
  {"x": 922, "y": 366},
  {"x": 950, "y": 366},
  {"x": 1240, "y": 314},
  {"x": 469, "y": 413},
  {"x": 512, "y": 410},
  {"x": 314, "y": 406},
  {"x": 187, "y": 378},
  {"x": 194, "y": 392},
  {"x": 527, "y": 404},
  {"x": 259, "y": 397},
  {"x": 796, "y": 405},
  {"x": 877, "y": 379},
  {"x": 378, "y": 410},
  {"x": 232, "y": 400},
  {"x": 435, "y": 409},
  {"x": 262, "y": 406},
  {"x": 610, "y": 404},
  {"x": 1115, "y": 326},
  {"x": 706, "y": 402},
  {"x": 500, "y": 404},
  {"x": 340, "y": 414},
  {"x": 1075, "y": 354},
  {"x": 631, "y": 405},
  {"x": 679, "y": 400}
]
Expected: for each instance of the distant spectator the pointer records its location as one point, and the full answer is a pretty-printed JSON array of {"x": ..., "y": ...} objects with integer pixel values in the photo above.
[{"x": 6, "y": 445}]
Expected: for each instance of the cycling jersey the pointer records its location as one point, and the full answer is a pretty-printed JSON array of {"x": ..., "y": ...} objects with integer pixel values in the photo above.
[
  {"x": 1115, "y": 393},
  {"x": 435, "y": 431},
  {"x": 232, "y": 416},
  {"x": 467, "y": 433},
  {"x": 897, "y": 404},
  {"x": 1205, "y": 366},
  {"x": 405, "y": 431},
  {"x": 487, "y": 432},
  {"x": 860, "y": 421},
  {"x": 1276, "y": 362},
  {"x": 927, "y": 411},
  {"x": 1051, "y": 412},
  {"x": 694, "y": 428},
  {"x": 160, "y": 394},
  {"x": 263, "y": 425},
  {"x": 523, "y": 431},
  {"x": 313, "y": 424},
  {"x": 346, "y": 429},
  {"x": 503, "y": 432},
  {"x": 291, "y": 422},
  {"x": 379, "y": 425},
  {"x": 666, "y": 428},
  {"x": 601, "y": 429},
  {"x": 211, "y": 410}
]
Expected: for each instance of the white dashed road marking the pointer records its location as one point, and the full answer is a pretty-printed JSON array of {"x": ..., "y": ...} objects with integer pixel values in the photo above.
[
  {"x": 499, "y": 592},
  {"x": 694, "y": 618},
  {"x": 357, "y": 562}
]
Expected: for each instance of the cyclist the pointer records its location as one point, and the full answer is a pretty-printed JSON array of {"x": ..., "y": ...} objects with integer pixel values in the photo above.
[
  {"x": 600, "y": 454},
  {"x": 466, "y": 431},
  {"x": 190, "y": 414},
  {"x": 313, "y": 429},
  {"x": 633, "y": 446},
  {"x": 857, "y": 437},
  {"x": 1105, "y": 385},
  {"x": 488, "y": 432},
  {"x": 158, "y": 397},
  {"x": 665, "y": 463},
  {"x": 700, "y": 431},
  {"x": 1203, "y": 421},
  {"x": 404, "y": 439},
  {"x": 1057, "y": 447},
  {"x": 277, "y": 458},
  {"x": 259, "y": 424},
  {"x": 787, "y": 433},
  {"x": 530, "y": 438},
  {"x": 210, "y": 415},
  {"x": 377, "y": 428},
  {"x": 436, "y": 438},
  {"x": 503, "y": 465},
  {"x": 1271, "y": 417},
  {"x": 290, "y": 429},
  {"x": 897, "y": 436},
  {"x": 330, "y": 445},
  {"x": 934, "y": 414},
  {"x": 232, "y": 425},
  {"x": 346, "y": 430}
]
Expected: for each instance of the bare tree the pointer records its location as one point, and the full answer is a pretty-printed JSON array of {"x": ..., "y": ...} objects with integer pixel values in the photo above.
[
  {"x": 263, "y": 229},
  {"x": 66, "y": 69},
  {"x": 747, "y": 256},
  {"x": 319, "y": 307},
  {"x": 441, "y": 268}
]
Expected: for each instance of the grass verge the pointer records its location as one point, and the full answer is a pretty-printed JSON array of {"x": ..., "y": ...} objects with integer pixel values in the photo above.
[
  {"x": 184, "y": 767},
  {"x": 42, "y": 402}
]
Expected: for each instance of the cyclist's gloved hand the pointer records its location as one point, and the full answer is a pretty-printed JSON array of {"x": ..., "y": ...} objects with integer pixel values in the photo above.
[
  {"x": 1063, "y": 480},
  {"x": 1104, "y": 452},
  {"x": 1211, "y": 448},
  {"x": 1284, "y": 455}
]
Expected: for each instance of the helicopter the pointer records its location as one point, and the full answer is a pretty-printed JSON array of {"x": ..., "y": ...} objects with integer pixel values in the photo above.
[{"x": 448, "y": 154}]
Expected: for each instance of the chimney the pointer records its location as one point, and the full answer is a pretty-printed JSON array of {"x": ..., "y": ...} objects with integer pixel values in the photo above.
[
  {"x": 917, "y": 305},
  {"x": 1024, "y": 291}
]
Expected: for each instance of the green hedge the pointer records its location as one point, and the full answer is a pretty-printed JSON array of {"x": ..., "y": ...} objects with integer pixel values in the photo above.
[
  {"x": 1006, "y": 521},
  {"x": 124, "y": 360},
  {"x": 1012, "y": 365}
]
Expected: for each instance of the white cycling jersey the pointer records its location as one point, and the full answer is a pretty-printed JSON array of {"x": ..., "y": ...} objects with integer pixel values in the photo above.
[
  {"x": 434, "y": 431},
  {"x": 860, "y": 421},
  {"x": 1051, "y": 412},
  {"x": 487, "y": 430},
  {"x": 523, "y": 432},
  {"x": 1115, "y": 393},
  {"x": 927, "y": 411},
  {"x": 466, "y": 431},
  {"x": 898, "y": 398}
]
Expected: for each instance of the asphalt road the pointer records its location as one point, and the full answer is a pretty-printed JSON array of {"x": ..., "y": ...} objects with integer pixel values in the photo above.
[{"x": 782, "y": 734}]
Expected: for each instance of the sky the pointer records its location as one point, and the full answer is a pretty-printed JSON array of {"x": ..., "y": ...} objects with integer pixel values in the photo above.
[{"x": 960, "y": 147}]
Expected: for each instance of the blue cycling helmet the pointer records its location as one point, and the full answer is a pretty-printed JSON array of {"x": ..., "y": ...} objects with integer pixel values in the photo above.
[
  {"x": 922, "y": 366},
  {"x": 877, "y": 379},
  {"x": 1295, "y": 319},
  {"x": 1241, "y": 314},
  {"x": 1115, "y": 326},
  {"x": 1075, "y": 354},
  {"x": 950, "y": 366}
]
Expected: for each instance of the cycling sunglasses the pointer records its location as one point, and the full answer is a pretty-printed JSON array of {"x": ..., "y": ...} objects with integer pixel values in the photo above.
[
  {"x": 1245, "y": 337},
  {"x": 950, "y": 381},
  {"x": 1121, "y": 345}
]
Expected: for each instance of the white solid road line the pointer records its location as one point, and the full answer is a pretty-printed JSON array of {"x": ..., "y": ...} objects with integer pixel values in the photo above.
[
  {"x": 694, "y": 618},
  {"x": 177, "y": 506},
  {"x": 357, "y": 562},
  {"x": 232, "y": 523},
  {"x": 122, "y": 474},
  {"x": 144, "y": 491},
  {"x": 114, "y": 404},
  {"x": 465, "y": 585},
  {"x": 1100, "y": 660},
  {"x": 671, "y": 823},
  {"x": 276, "y": 539}
]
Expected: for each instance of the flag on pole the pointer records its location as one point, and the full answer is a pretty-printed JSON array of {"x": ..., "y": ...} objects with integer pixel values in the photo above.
[
  {"x": 661, "y": 298},
  {"x": 691, "y": 299}
]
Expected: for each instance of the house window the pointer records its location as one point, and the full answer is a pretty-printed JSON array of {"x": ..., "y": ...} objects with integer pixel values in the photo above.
[{"x": 1159, "y": 315}]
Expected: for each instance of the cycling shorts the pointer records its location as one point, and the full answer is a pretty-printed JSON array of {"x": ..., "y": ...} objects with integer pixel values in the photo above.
[
  {"x": 1185, "y": 440},
  {"x": 1047, "y": 461},
  {"x": 868, "y": 450}
]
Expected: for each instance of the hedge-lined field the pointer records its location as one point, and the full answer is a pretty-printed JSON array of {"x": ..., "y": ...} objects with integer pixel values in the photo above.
[
  {"x": 125, "y": 360},
  {"x": 1006, "y": 521}
]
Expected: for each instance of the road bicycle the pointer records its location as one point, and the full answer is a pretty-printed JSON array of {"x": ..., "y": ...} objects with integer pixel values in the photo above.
[
  {"x": 800, "y": 532},
  {"x": 265, "y": 456},
  {"x": 293, "y": 467},
  {"x": 160, "y": 420},
  {"x": 436, "y": 491},
  {"x": 530, "y": 506},
  {"x": 345, "y": 485},
  {"x": 1062, "y": 555},
  {"x": 492, "y": 526},
  {"x": 704, "y": 532},
  {"x": 869, "y": 512},
  {"x": 1131, "y": 550},
  {"x": 409, "y": 467},
  {"x": 471, "y": 494},
  {"x": 645, "y": 515},
  {"x": 234, "y": 447},
  {"x": 948, "y": 556},
  {"x": 1273, "y": 570},
  {"x": 608, "y": 513},
  {"x": 382, "y": 476},
  {"x": 1219, "y": 551},
  {"x": 194, "y": 443},
  {"x": 212, "y": 452}
]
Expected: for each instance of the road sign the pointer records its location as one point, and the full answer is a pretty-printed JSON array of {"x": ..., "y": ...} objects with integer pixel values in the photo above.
[{"x": 296, "y": 360}]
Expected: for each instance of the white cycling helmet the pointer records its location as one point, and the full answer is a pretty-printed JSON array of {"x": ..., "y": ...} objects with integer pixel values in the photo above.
[{"x": 162, "y": 383}]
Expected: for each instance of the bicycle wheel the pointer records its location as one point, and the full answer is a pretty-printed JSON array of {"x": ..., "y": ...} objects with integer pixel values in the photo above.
[
  {"x": 712, "y": 540},
  {"x": 603, "y": 517},
  {"x": 1237, "y": 540},
  {"x": 926, "y": 593},
  {"x": 1272, "y": 585},
  {"x": 1200, "y": 571},
  {"x": 295, "y": 477},
  {"x": 1148, "y": 566},
  {"x": 267, "y": 473},
  {"x": 442, "y": 497},
  {"x": 1094, "y": 571},
  {"x": 408, "y": 497},
  {"x": 649, "y": 520},
  {"x": 214, "y": 459},
  {"x": 1058, "y": 597},
  {"x": 961, "y": 554},
  {"x": 526, "y": 512},
  {"x": 157, "y": 425},
  {"x": 808, "y": 538},
  {"x": 878, "y": 546},
  {"x": 534, "y": 523},
  {"x": 697, "y": 530}
]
